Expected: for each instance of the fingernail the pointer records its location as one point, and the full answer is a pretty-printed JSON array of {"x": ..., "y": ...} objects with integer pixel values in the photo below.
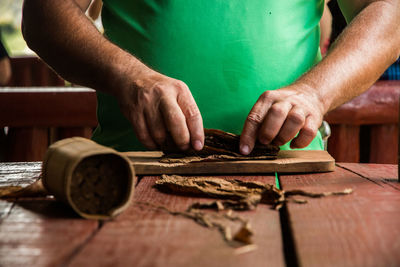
[
  {"x": 245, "y": 149},
  {"x": 197, "y": 145}
]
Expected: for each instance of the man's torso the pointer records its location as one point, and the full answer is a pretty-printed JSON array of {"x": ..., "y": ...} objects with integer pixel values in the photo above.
[{"x": 227, "y": 52}]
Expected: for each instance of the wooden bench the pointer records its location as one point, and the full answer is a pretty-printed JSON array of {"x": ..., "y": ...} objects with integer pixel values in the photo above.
[
  {"x": 38, "y": 109},
  {"x": 31, "y": 71},
  {"x": 36, "y": 117},
  {"x": 366, "y": 128}
]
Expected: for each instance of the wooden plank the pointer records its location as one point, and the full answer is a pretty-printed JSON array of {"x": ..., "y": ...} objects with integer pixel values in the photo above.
[
  {"x": 344, "y": 143},
  {"x": 142, "y": 236},
  {"x": 384, "y": 174},
  {"x": 384, "y": 144},
  {"x": 5, "y": 209},
  {"x": 19, "y": 173},
  {"x": 37, "y": 231},
  {"x": 16, "y": 174},
  {"x": 146, "y": 163},
  {"x": 378, "y": 105},
  {"x": 361, "y": 229},
  {"x": 31, "y": 71},
  {"x": 41, "y": 232},
  {"x": 51, "y": 106}
]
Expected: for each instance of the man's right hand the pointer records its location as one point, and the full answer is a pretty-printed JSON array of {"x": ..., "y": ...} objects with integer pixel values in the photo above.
[{"x": 157, "y": 105}]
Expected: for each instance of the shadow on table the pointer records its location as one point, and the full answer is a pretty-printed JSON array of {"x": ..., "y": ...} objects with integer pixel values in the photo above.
[{"x": 47, "y": 208}]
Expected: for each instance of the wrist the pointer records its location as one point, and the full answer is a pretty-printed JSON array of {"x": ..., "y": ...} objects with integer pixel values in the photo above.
[
  {"x": 125, "y": 73},
  {"x": 315, "y": 94}
]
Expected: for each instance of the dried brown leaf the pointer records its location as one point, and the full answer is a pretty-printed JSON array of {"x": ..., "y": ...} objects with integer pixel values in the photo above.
[{"x": 35, "y": 189}]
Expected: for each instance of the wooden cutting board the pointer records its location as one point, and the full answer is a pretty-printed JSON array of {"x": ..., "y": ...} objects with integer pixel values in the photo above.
[{"x": 146, "y": 163}]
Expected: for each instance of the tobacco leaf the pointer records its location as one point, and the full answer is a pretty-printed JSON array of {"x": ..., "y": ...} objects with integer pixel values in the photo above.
[
  {"x": 208, "y": 186},
  {"x": 218, "y": 221},
  {"x": 242, "y": 195},
  {"x": 177, "y": 158},
  {"x": 98, "y": 184},
  {"x": 245, "y": 193},
  {"x": 299, "y": 192},
  {"x": 218, "y": 145},
  {"x": 242, "y": 204},
  {"x": 236, "y": 195},
  {"x": 35, "y": 189},
  {"x": 244, "y": 235}
]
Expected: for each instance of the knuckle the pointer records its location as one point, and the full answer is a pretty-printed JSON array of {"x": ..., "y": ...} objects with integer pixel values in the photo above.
[
  {"x": 277, "y": 110},
  {"x": 254, "y": 118},
  {"x": 159, "y": 89},
  {"x": 309, "y": 132},
  {"x": 266, "y": 136},
  {"x": 181, "y": 86},
  {"x": 191, "y": 111},
  {"x": 174, "y": 116},
  {"x": 296, "y": 117},
  {"x": 266, "y": 95}
]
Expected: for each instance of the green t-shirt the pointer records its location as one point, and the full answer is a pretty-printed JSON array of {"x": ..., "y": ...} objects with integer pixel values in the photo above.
[{"x": 227, "y": 51}]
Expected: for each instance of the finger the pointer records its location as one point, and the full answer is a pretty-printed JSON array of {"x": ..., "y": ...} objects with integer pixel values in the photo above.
[
  {"x": 155, "y": 124},
  {"x": 141, "y": 131},
  {"x": 194, "y": 120},
  {"x": 273, "y": 121},
  {"x": 175, "y": 122},
  {"x": 307, "y": 133},
  {"x": 294, "y": 122},
  {"x": 252, "y": 124}
]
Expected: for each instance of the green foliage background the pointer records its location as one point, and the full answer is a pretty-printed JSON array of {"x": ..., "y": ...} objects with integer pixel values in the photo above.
[{"x": 10, "y": 26}]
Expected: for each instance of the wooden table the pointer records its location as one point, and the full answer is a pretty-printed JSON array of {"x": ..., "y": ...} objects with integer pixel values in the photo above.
[{"x": 361, "y": 229}]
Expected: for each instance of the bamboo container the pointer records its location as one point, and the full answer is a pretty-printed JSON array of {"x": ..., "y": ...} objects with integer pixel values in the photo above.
[{"x": 96, "y": 181}]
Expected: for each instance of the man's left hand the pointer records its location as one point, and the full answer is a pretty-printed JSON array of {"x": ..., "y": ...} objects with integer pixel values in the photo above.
[{"x": 279, "y": 115}]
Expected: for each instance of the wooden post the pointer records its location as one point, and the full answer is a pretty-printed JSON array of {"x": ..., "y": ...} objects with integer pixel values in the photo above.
[
  {"x": 344, "y": 143},
  {"x": 383, "y": 143}
]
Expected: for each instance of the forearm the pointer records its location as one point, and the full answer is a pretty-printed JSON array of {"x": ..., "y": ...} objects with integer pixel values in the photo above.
[
  {"x": 361, "y": 54},
  {"x": 61, "y": 34}
]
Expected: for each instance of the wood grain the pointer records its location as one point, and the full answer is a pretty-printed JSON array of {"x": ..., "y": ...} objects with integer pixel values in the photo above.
[
  {"x": 383, "y": 174},
  {"x": 146, "y": 163},
  {"x": 37, "y": 231},
  {"x": 41, "y": 232},
  {"x": 19, "y": 173},
  {"x": 378, "y": 105},
  {"x": 384, "y": 144},
  {"x": 31, "y": 71},
  {"x": 16, "y": 174},
  {"x": 142, "y": 236},
  {"x": 48, "y": 106},
  {"x": 361, "y": 229},
  {"x": 344, "y": 143}
]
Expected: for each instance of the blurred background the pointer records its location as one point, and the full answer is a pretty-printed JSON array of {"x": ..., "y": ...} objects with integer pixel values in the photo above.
[
  {"x": 10, "y": 27},
  {"x": 37, "y": 107}
]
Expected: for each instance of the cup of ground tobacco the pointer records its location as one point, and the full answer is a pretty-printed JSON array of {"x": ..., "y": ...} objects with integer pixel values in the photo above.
[{"x": 96, "y": 181}]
